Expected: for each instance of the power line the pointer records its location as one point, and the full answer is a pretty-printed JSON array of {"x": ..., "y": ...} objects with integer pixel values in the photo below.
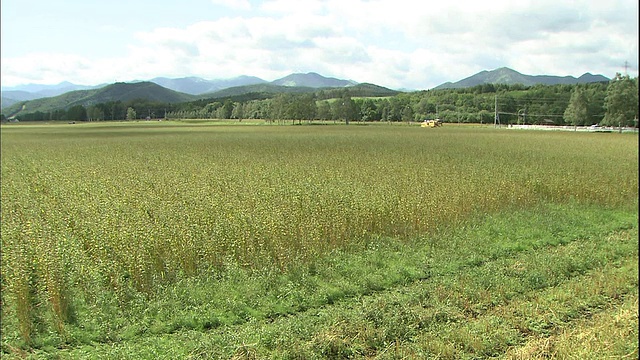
[
  {"x": 529, "y": 114},
  {"x": 543, "y": 101}
]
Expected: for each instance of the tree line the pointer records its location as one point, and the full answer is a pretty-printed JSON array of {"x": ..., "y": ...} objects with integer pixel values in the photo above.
[{"x": 613, "y": 104}]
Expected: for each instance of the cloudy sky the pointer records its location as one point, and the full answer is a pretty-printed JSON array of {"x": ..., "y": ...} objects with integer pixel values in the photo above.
[{"x": 399, "y": 44}]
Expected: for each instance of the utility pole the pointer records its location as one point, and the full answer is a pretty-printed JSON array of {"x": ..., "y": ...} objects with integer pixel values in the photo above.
[
  {"x": 626, "y": 67},
  {"x": 496, "y": 120}
]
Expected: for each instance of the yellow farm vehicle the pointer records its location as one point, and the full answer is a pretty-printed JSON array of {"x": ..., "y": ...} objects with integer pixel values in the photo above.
[{"x": 431, "y": 123}]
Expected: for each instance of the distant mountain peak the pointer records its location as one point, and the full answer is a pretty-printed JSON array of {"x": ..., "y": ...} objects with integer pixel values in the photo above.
[
  {"x": 197, "y": 86},
  {"x": 313, "y": 80},
  {"x": 505, "y": 75}
]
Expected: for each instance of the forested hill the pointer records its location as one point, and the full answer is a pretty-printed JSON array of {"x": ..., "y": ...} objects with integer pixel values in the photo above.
[
  {"x": 115, "y": 92},
  {"x": 256, "y": 91},
  {"x": 268, "y": 90},
  {"x": 511, "y": 77}
]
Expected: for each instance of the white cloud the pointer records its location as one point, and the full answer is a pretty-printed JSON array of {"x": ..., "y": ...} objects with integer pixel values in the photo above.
[
  {"x": 233, "y": 4},
  {"x": 394, "y": 43},
  {"x": 296, "y": 7},
  {"x": 56, "y": 68}
]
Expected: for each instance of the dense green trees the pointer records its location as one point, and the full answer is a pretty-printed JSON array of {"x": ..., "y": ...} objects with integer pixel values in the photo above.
[
  {"x": 344, "y": 108},
  {"x": 368, "y": 110},
  {"x": 621, "y": 101},
  {"x": 576, "y": 112},
  {"x": 77, "y": 113},
  {"x": 95, "y": 113}
]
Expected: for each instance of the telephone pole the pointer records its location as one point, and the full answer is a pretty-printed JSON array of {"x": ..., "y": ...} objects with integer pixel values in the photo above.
[
  {"x": 626, "y": 67},
  {"x": 496, "y": 119}
]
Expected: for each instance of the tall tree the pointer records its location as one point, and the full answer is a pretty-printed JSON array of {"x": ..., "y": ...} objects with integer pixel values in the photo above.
[
  {"x": 346, "y": 108},
  {"x": 324, "y": 110},
  {"x": 301, "y": 107},
  {"x": 131, "y": 114},
  {"x": 95, "y": 113},
  {"x": 278, "y": 106},
  {"x": 118, "y": 111},
  {"x": 576, "y": 112},
  {"x": 621, "y": 102},
  {"x": 238, "y": 111},
  {"x": 368, "y": 111},
  {"x": 407, "y": 114},
  {"x": 227, "y": 109},
  {"x": 210, "y": 109},
  {"x": 595, "y": 93}
]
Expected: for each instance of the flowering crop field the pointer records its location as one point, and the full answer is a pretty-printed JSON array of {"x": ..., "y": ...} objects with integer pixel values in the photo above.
[{"x": 99, "y": 215}]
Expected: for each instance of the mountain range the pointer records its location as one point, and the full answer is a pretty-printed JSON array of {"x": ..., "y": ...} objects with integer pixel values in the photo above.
[
  {"x": 188, "y": 85},
  {"x": 508, "y": 76},
  {"x": 197, "y": 86},
  {"x": 254, "y": 88},
  {"x": 34, "y": 97}
]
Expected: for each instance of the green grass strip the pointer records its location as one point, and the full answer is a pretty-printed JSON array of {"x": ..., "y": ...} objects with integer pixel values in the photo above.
[{"x": 458, "y": 287}]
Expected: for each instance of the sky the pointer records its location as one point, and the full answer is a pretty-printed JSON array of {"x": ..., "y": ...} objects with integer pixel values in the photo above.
[{"x": 399, "y": 44}]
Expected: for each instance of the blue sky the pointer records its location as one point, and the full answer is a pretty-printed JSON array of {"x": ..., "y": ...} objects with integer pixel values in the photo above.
[{"x": 393, "y": 43}]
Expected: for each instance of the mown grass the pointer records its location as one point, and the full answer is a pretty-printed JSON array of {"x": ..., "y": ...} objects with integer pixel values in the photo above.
[
  {"x": 612, "y": 332},
  {"x": 126, "y": 240},
  {"x": 412, "y": 300}
]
